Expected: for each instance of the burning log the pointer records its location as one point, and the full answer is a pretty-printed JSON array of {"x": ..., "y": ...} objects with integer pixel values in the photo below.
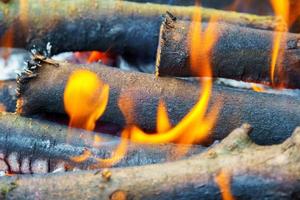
[
  {"x": 41, "y": 89},
  {"x": 36, "y": 141},
  {"x": 241, "y": 53},
  {"x": 252, "y": 172},
  {"x": 125, "y": 28}
]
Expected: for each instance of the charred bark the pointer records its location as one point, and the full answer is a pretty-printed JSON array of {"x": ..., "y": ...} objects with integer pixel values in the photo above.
[
  {"x": 256, "y": 172},
  {"x": 120, "y": 27},
  {"x": 240, "y": 53},
  {"x": 54, "y": 144},
  {"x": 272, "y": 115}
]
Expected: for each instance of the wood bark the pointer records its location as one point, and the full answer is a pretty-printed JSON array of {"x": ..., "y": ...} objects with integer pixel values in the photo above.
[
  {"x": 254, "y": 172},
  {"x": 120, "y": 27},
  {"x": 44, "y": 141},
  {"x": 272, "y": 115},
  {"x": 240, "y": 53}
]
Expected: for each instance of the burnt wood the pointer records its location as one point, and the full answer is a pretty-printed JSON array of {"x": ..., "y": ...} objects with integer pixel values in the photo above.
[
  {"x": 240, "y": 53},
  {"x": 254, "y": 172},
  {"x": 274, "y": 116},
  {"x": 120, "y": 27},
  {"x": 38, "y": 140}
]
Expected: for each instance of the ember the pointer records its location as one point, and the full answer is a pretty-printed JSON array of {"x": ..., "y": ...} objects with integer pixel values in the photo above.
[{"x": 142, "y": 99}]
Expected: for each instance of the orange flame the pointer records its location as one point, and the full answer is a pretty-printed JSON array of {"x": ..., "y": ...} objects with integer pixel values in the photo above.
[
  {"x": 196, "y": 125},
  {"x": 257, "y": 88},
  {"x": 85, "y": 99},
  {"x": 83, "y": 157},
  {"x": 223, "y": 181},
  {"x": 94, "y": 56},
  {"x": 281, "y": 9},
  {"x": 7, "y": 41}
]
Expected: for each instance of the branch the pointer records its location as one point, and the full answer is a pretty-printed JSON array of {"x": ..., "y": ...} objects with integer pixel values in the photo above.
[
  {"x": 240, "y": 53},
  {"x": 47, "y": 78},
  {"x": 125, "y": 28},
  {"x": 44, "y": 141},
  {"x": 256, "y": 172}
]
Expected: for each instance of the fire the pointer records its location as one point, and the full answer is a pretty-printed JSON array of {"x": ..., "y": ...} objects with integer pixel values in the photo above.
[
  {"x": 83, "y": 157},
  {"x": 85, "y": 99},
  {"x": 281, "y": 9},
  {"x": 196, "y": 125},
  {"x": 94, "y": 56},
  {"x": 257, "y": 88},
  {"x": 7, "y": 41},
  {"x": 223, "y": 181}
]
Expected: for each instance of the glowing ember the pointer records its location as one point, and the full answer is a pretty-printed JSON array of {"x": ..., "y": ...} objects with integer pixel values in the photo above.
[
  {"x": 281, "y": 9},
  {"x": 85, "y": 99},
  {"x": 223, "y": 181},
  {"x": 94, "y": 56}
]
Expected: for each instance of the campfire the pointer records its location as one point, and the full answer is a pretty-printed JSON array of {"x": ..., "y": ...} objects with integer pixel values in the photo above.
[{"x": 149, "y": 99}]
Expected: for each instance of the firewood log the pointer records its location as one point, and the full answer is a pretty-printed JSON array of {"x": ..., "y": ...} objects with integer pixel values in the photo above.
[
  {"x": 240, "y": 53},
  {"x": 119, "y": 27},
  {"x": 253, "y": 172},
  {"x": 41, "y": 140},
  {"x": 41, "y": 89}
]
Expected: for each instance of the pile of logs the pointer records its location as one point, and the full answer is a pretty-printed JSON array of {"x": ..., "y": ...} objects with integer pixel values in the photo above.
[{"x": 151, "y": 32}]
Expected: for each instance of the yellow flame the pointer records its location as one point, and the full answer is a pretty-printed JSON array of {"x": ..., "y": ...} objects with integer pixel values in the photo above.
[
  {"x": 223, "y": 181},
  {"x": 163, "y": 122},
  {"x": 83, "y": 157},
  {"x": 196, "y": 125},
  {"x": 85, "y": 99},
  {"x": 281, "y": 9},
  {"x": 258, "y": 88}
]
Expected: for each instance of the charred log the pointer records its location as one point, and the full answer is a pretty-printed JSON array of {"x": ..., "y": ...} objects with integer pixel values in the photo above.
[
  {"x": 256, "y": 172},
  {"x": 54, "y": 144},
  {"x": 125, "y": 28},
  {"x": 272, "y": 115},
  {"x": 240, "y": 53}
]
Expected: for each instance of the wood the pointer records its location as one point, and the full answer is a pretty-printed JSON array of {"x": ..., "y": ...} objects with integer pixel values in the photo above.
[
  {"x": 126, "y": 28},
  {"x": 272, "y": 115},
  {"x": 240, "y": 53},
  {"x": 41, "y": 140},
  {"x": 256, "y": 172}
]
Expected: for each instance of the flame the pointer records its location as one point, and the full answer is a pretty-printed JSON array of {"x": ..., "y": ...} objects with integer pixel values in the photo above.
[
  {"x": 85, "y": 99},
  {"x": 2, "y": 108},
  {"x": 196, "y": 125},
  {"x": 94, "y": 56},
  {"x": 23, "y": 12},
  {"x": 7, "y": 41},
  {"x": 257, "y": 88},
  {"x": 83, "y": 157},
  {"x": 223, "y": 181},
  {"x": 281, "y": 9}
]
